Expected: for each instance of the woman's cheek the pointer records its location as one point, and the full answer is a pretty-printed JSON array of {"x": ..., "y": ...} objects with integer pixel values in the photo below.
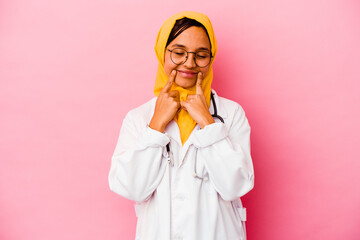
[
  {"x": 205, "y": 72},
  {"x": 168, "y": 65}
]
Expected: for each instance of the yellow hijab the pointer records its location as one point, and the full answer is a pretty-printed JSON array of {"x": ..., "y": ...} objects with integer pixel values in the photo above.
[{"x": 183, "y": 119}]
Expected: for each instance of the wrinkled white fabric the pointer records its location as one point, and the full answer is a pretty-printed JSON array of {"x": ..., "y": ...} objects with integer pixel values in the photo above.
[{"x": 170, "y": 202}]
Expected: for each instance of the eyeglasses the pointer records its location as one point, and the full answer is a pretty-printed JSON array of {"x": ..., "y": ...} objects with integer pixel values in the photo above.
[{"x": 180, "y": 56}]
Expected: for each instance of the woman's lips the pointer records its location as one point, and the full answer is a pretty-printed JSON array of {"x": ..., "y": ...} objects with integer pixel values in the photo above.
[{"x": 187, "y": 74}]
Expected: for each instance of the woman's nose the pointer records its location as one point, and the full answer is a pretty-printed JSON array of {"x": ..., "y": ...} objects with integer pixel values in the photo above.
[{"x": 190, "y": 61}]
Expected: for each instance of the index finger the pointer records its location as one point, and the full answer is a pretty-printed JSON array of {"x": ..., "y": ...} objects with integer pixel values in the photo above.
[
  {"x": 199, "y": 84},
  {"x": 169, "y": 83}
]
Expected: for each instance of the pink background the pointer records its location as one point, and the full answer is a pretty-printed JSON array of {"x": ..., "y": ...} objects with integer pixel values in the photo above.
[{"x": 71, "y": 70}]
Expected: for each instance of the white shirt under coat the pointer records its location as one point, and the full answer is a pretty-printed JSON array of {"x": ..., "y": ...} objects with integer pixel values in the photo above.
[{"x": 170, "y": 202}]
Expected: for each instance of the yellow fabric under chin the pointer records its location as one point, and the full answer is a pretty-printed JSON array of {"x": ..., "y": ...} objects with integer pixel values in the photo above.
[{"x": 183, "y": 119}]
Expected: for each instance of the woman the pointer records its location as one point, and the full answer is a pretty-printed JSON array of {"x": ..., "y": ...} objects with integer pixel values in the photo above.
[{"x": 184, "y": 157}]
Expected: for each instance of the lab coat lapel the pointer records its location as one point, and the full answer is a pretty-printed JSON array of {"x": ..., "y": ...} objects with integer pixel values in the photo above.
[
  {"x": 187, "y": 144},
  {"x": 172, "y": 130}
]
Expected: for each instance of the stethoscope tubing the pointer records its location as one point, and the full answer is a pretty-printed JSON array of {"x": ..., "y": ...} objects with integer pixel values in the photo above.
[{"x": 215, "y": 115}]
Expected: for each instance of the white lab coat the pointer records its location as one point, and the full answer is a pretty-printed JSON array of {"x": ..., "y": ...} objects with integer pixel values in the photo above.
[{"x": 170, "y": 202}]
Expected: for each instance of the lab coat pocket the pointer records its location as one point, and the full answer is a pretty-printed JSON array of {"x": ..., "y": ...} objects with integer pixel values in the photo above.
[{"x": 240, "y": 212}]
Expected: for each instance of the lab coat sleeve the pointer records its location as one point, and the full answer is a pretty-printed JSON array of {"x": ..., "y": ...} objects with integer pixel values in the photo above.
[
  {"x": 225, "y": 150},
  {"x": 139, "y": 161}
]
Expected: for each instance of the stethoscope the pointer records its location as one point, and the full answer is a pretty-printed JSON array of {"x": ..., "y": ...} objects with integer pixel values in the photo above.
[{"x": 171, "y": 157}]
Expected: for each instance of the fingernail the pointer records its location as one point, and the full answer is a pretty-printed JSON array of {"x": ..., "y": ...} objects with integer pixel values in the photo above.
[
  {"x": 173, "y": 71},
  {"x": 200, "y": 74}
]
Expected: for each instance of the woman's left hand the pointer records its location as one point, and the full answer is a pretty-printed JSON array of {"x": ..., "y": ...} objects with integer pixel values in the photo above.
[{"x": 196, "y": 105}]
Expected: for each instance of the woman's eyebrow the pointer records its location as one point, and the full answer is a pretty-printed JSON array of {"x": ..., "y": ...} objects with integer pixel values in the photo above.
[
  {"x": 203, "y": 48},
  {"x": 178, "y": 45},
  {"x": 182, "y": 46}
]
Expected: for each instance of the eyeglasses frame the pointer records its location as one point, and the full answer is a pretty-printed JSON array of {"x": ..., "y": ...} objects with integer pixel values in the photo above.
[{"x": 187, "y": 56}]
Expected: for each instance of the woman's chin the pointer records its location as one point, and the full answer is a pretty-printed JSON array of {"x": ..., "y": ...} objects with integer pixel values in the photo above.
[{"x": 185, "y": 83}]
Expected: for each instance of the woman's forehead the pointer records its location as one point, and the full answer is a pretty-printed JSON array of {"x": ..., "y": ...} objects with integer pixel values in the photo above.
[{"x": 193, "y": 37}]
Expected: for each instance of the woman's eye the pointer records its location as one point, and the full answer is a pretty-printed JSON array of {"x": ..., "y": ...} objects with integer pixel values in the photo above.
[
  {"x": 202, "y": 55},
  {"x": 179, "y": 53}
]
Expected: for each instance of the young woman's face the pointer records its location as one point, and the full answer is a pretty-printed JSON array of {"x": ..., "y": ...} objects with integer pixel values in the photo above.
[{"x": 192, "y": 39}]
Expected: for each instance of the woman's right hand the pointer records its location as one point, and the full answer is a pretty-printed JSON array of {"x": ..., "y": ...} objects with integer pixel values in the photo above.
[{"x": 167, "y": 104}]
